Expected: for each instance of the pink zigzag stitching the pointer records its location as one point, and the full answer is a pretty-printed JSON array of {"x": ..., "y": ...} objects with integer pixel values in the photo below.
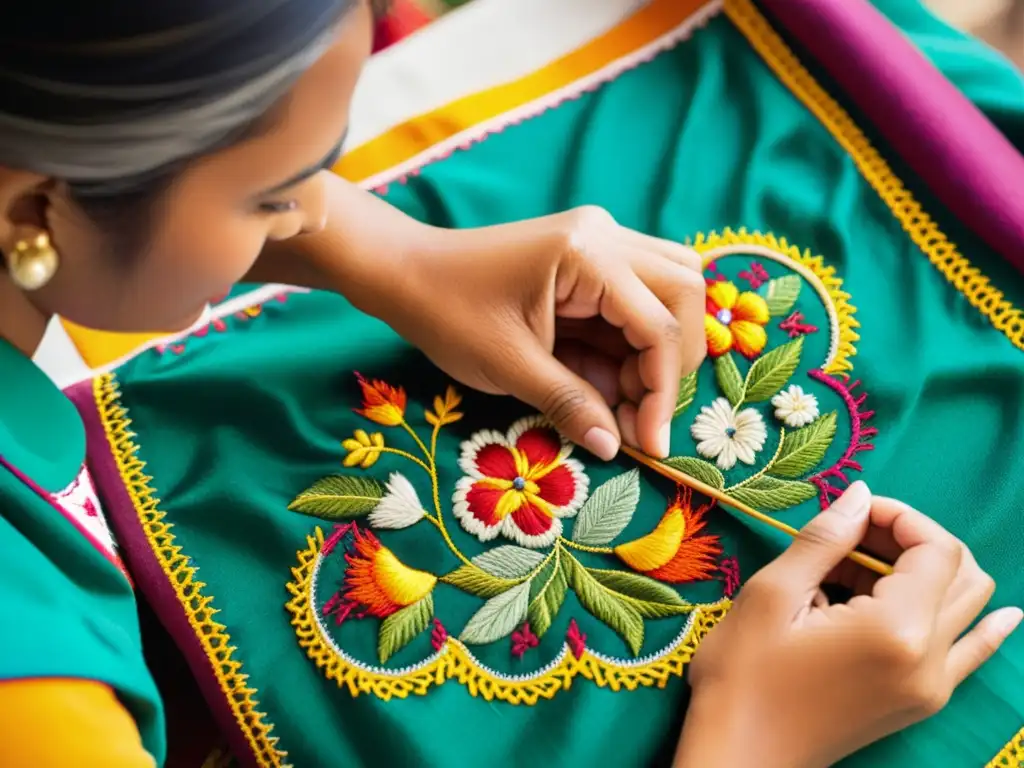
[
  {"x": 216, "y": 324},
  {"x": 860, "y": 439},
  {"x": 539, "y": 107}
]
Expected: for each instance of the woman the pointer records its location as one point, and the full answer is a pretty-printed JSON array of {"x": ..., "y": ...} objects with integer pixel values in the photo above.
[{"x": 151, "y": 158}]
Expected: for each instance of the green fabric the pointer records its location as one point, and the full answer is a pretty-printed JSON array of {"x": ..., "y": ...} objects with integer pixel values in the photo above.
[
  {"x": 702, "y": 138},
  {"x": 69, "y": 612}
]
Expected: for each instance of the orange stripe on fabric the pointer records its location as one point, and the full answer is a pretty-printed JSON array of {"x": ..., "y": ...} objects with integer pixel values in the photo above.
[{"x": 405, "y": 141}]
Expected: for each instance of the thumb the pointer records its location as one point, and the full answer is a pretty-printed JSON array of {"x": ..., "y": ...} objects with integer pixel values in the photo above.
[
  {"x": 826, "y": 540},
  {"x": 572, "y": 404}
]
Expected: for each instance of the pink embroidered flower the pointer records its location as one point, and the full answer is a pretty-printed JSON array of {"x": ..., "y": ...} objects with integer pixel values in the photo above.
[
  {"x": 520, "y": 484},
  {"x": 523, "y": 640}
]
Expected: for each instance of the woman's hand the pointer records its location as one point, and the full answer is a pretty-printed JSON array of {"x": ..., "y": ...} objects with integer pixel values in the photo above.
[
  {"x": 570, "y": 313},
  {"x": 805, "y": 683}
]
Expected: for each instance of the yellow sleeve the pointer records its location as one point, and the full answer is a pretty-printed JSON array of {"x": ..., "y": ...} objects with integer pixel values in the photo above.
[{"x": 54, "y": 723}]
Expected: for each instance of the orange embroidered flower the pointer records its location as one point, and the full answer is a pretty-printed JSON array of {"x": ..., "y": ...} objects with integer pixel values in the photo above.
[
  {"x": 382, "y": 403},
  {"x": 376, "y": 583},
  {"x": 735, "y": 320},
  {"x": 675, "y": 551},
  {"x": 519, "y": 484}
]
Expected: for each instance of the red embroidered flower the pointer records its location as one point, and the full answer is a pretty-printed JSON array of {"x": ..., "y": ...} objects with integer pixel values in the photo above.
[
  {"x": 519, "y": 484},
  {"x": 382, "y": 403},
  {"x": 735, "y": 320},
  {"x": 675, "y": 551},
  {"x": 376, "y": 582}
]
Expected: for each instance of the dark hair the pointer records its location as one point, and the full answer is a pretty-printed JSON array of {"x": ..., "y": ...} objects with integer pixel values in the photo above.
[{"x": 115, "y": 97}]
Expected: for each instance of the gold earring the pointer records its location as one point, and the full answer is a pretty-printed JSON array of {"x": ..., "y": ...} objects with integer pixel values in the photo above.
[{"x": 33, "y": 262}]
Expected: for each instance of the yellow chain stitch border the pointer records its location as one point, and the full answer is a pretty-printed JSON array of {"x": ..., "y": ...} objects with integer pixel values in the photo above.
[
  {"x": 198, "y": 607},
  {"x": 923, "y": 230},
  {"x": 706, "y": 243},
  {"x": 457, "y": 663},
  {"x": 925, "y": 233}
]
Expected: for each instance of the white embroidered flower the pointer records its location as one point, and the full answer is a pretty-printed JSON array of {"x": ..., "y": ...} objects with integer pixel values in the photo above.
[
  {"x": 794, "y": 407},
  {"x": 400, "y": 506},
  {"x": 725, "y": 436}
]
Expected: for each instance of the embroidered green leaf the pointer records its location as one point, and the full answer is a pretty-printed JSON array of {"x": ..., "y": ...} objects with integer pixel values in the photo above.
[
  {"x": 508, "y": 561},
  {"x": 476, "y": 581},
  {"x": 606, "y": 605},
  {"x": 402, "y": 626},
  {"x": 781, "y": 293},
  {"x": 770, "y": 372},
  {"x": 802, "y": 449},
  {"x": 771, "y": 493},
  {"x": 547, "y": 592},
  {"x": 651, "y": 599},
  {"x": 608, "y": 510},
  {"x": 339, "y": 496},
  {"x": 697, "y": 468},
  {"x": 687, "y": 392},
  {"x": 498, "y": 617},
  {"x": 730, "y": 381}
]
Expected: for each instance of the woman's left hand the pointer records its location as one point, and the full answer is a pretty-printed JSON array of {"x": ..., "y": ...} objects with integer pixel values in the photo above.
[{"x": 571, "y": 313}]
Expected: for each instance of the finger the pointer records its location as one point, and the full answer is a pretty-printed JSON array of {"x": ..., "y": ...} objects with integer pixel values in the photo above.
[
  {"x": 675, "y": 252},
  {"x": 923, "y": 572},
  {"x": 966, "y": 599},
  {"x": 652, "y": 330},
  {"x": 978, "y": 645},
  {"x": 631, "y": 384},
  {"x": 592, "y": 366},
  {"x": 821, "y": 545},
  {"x": 527, "y": 371},
  {"x": 626, "y": 415}
]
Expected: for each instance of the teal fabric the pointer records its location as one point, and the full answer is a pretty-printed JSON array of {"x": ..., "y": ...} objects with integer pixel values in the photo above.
[
  {"x": 70, "y": 613},
  {"x": 701, "y": 139}
]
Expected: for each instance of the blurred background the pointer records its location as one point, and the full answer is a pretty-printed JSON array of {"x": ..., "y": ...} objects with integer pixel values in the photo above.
[{"x": 999, "y": 22}]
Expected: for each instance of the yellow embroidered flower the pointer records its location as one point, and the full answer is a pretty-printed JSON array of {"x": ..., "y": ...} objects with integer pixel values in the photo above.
[
  {"x": 674, "y": 552},
  {"x": 376, "y": 582},
  {"x": 735, "y": 320},
  {"x": 444, "y": 412},
  {"x": 363, "y": 449},
  {"x": 382, "y": 403}
]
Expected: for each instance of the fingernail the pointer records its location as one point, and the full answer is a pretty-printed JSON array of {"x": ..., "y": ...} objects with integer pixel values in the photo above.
[
  {"x": 664, "y": 441},
  {"x": 601, "y": 443},
  {"x": 1009, "y": 620},
  {"x": 855, "y": 502}
]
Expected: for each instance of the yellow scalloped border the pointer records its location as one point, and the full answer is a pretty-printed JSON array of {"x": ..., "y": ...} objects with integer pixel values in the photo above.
[
  {"x": 456, "y": 662},
  {"x": 923, "y": 230},
  {"x": 830, "y": 289},
  {"x": 925, "y": 233},
  {"x": 213, "y": 636}
]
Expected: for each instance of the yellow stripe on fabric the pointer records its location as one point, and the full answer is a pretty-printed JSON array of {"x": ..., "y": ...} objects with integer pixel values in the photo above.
[
  {"x": 407, "y": 140},
  {"x": 213, "y": 636},
  {"x": 922, "y": 229}
]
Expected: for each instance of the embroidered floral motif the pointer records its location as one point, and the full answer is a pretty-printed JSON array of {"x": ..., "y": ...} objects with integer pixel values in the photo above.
[
  {"x": 728, "y": 436},
  {"x": 363, "y": 449},
  {"x": 756, "y": 276},
  {"x": 795, "y": 326},
  {"x": 735, "y": 320},
  {"x": 675, "y": 551},
  {"x": 730, "y": 570},
  {"x": 520, "y": 484},
  {"x": 794, "y": 407},
  {"x": 400, "y": 507},
  {"x": 382, "y": 403},
  {"x": 523, "y": 640},
  {"x": 576, "y": 640}
]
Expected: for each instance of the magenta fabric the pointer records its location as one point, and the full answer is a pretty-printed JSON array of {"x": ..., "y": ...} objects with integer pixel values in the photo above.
[{"x": 962, "y": 157}]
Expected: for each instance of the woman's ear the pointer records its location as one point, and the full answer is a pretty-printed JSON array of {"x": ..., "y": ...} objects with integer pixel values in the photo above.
[{"x": 23, "y": 199}]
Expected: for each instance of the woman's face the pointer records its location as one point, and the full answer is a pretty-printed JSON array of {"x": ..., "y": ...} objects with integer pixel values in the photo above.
[{"x": 213, "y": 222}]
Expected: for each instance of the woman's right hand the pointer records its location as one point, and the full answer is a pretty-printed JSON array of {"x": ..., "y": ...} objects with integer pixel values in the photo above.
[{"x": 802, "y": 683}]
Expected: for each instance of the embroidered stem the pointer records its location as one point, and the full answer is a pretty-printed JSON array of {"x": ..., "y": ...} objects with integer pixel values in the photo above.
[
  {"x": 767, "y": 467},
  {"x": 406, "y": 455},
  {"x": 584, "y": 548},
  {"x": 412, "y": 433}
]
